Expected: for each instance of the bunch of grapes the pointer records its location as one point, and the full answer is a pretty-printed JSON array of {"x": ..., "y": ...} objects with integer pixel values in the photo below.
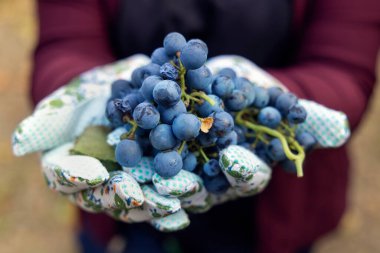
[
  {"x": 175, "y": 110},
  {"x": 266, "y": 121},
  {"x": 172, "y": 110}
]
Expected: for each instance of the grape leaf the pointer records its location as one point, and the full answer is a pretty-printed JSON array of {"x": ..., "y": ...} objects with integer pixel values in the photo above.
[{"x": 93, "y": 142}]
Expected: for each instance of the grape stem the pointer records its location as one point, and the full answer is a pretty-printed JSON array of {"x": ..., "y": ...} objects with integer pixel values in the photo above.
[
  {"x": 181, "y": 147},
  {"x": 131, "y": 133},
  {"x": 196, "y": 96},
  {"x": 201, "y": 94},
  {"x": 291, "y": 130},
  {"x": 296, "y": 158},
  {"x": 203, "y": 154}
]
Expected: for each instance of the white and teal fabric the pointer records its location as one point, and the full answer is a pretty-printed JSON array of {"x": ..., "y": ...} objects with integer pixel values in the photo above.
[
  {"x": 68, "y": 174},
  {"x": 64, "y": 114},
  {"x": 183, "y": 184},
  {"x": 247, "y": 174},
  {"x": 198, "y": 202},
  {"x": 243, "y": 68},
  {"x": 143, "y": 171},
  {"x": 171, "y": 223},
  {"x": 330, "y": 127},
  {"x": 113, "y": 138}
]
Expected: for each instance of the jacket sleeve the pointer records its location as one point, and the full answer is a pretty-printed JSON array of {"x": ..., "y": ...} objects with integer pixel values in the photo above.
[
  {"x": 72, "y": 39},
  {"x": 335, "y": 65}
]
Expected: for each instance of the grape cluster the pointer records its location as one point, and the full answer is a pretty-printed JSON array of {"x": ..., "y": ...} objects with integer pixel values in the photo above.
[
  {"x": 266, "y": 120},
  {"x": 173, "y": 110},
  {"x": 177, "y": 111}
]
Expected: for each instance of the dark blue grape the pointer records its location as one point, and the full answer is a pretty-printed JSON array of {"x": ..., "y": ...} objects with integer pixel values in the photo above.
[
  {"x": 139, "y": 131},
  {"x": 227, "y": 72},
  {"x": 199, "y": 79},
  {"x": 120, "y": 88},
  {"x": 275, "y": 151},
  {"x": 296, "y": 114},
  {"x": 168, "y": 71},
  {"x": 130, "y": 101},
  {"x": 261, "y": 97},
  {"x": 236, "y": 101},
  {"x": 167, "y": 93},
  {"x": 285, "y": 101},
  {"x": 306, "y": 140},
  {"x": 173, "y": 43},
  {"x": 193, "y": 54},
  {"x": 148, "y": 85},
  {"x": 216, "y": 185},
  {"x": 128, "y": 153},
  {"x": 159, "y": 56},
  {"x": 113, "y": 114},
  {"x": 274, "y": 93},
  {"x": 139, "y": 74},
  {"x": 199, "y": 42},
  {"x": 169, "y": 113},
  {"x": 205, "y": 109},
  {"x": 241, "y": 132},
  {"x": 143, "y": 142},
  {"x": 186, "y": 126},
  {"x": 167, "y": 164},
  {"x": 222, "y": 125},
  {"x": 244, "y": 85},
  {"x": 146, "y": 115},
  {"x": 228, "y": 139},
  {"x": 162, "y": 137},
  {"x": 262, "y": 154},
  {"x": 211, "y": 168},
  {"x": 185, "y": 150},
  {"x": 208, "y": 89},
  {"x": 190, "y": 162},
  {"x": 269, "y": 116},
  {"x": 206, "y": 140},
  {"x": 222, "y": 86}
]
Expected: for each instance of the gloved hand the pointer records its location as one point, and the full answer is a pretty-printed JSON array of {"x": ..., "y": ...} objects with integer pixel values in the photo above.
[
  {"x": 246, "y": 173},
  {"x": 63, "y": 116}
]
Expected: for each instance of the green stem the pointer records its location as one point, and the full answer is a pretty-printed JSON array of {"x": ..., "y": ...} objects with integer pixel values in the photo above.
[
  {"x": 203, "y": 154},
  {"x": 181, "y": 147},
  {"x": 201, "y": 94},
  {"x": 131, "y": 133},
  {"x": 301, "y": 157},
  {"x": 296, "y": 158},
  {"x": 261, "y": 138},
  {"x": 290, "y": 130},
  {"x": 193, "y": 98}
]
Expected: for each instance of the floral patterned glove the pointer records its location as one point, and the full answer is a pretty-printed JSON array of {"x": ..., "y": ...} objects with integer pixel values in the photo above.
[
  {"x": 247, "y": 174},
  {"x": 63, "y": 116}
]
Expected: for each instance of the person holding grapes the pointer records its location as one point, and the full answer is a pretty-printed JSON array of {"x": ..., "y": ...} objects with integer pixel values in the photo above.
[{"x": 322, "y": 50}]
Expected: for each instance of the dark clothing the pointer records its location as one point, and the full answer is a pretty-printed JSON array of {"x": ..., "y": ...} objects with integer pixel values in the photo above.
[
  {"x": 323, "y": 50},
  {"x": 258, "y": 30}
]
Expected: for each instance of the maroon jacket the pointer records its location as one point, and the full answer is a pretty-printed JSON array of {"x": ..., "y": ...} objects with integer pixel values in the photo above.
[{"x": 334, "y": 66}]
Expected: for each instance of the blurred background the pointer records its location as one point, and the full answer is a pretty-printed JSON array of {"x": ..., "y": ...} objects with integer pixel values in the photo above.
[{"x": 33, "y": 219}]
